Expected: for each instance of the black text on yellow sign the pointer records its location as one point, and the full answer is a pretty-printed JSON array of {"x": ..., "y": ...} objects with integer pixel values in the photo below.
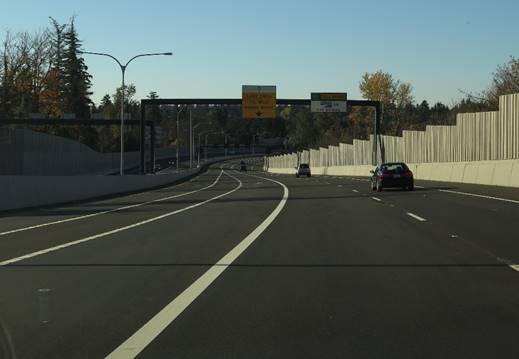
[{"x": 259, "y": 102}]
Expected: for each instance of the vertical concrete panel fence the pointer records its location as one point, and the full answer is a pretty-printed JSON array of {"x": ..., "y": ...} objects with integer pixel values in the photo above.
[{"x": 476, "y": 138}]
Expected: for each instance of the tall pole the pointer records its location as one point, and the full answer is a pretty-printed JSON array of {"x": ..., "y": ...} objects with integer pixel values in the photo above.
[
  {"x": 121, "y": 169},
  {"x": 190, "y": 139},
  {"x": 205, "y": 152},
  {"x": 199, "y": 145},
  {"x": 123, "y": 70},
  {"x": 178, "y": 133},
  {"x": 225, "y": 145}
]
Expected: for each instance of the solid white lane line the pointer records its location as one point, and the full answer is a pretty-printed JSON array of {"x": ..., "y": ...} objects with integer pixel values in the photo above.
[
  {"x": 480, "y": 196},
  {"x": 354, "y": 190},
  {"x": 418, "y": 218},
  {"x": 377, "y": 199},
  {"x": 72, "y": 219},
  {"x": 147, "y": 333},
  {"x": 117, "y": 230},
  {"x": 514, "y": 267}
]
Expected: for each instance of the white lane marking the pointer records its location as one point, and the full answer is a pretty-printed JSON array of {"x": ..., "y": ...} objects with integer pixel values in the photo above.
[
  {"x": 354, "y": 190},
  {"x": 117, "y": 230},
  {"x": 110, "y": 210},
  {"x": 377, "y": 199},
  {"x": 515, "y": 267},
  {"x": 419, "y": 187},
  {"x": 480, "y": 196},
  {"x": 418, "y": 218},
  {"x": 149, "y": 331},
  {"x": 339, "y": 185}
]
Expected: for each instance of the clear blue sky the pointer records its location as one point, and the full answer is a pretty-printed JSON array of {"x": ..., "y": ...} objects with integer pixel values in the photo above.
[{"x": 301, "y": 46}]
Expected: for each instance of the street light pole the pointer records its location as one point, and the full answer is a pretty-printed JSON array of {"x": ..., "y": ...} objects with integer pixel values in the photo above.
[
  {"x": 123, "y": 70},
  {"x": 199, "y": 145},
  {"x": 121, "y": 161},
  {"x": 178, "y": 131},
  {"x": 190, "y": 139},
  {"x": 225, "y": 145}
]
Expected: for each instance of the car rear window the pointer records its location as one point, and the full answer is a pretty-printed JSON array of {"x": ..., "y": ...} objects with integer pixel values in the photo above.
[{"x": 394, "y": 168}]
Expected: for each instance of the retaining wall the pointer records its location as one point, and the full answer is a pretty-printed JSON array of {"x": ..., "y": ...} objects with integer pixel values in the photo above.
[{"x": 495, "y": 173}]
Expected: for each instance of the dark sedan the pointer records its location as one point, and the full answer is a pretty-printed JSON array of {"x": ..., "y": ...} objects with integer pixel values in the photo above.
[{"x": 392, "y": 175}]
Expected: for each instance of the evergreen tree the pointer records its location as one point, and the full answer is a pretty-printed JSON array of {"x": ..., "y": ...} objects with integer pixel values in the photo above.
[{"x": 77, "y": 80}]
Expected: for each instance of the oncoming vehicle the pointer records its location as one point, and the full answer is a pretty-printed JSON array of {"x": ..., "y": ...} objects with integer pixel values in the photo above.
[
  {"x": 394, "y": 174},
  {"x": 303, "y": 169}
]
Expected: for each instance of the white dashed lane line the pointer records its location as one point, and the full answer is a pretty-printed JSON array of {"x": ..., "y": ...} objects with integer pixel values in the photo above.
[
  {"x": 354, "y": 190},
  {"x": 376, "y": 199},
  {"x": 418, "y": 218}
]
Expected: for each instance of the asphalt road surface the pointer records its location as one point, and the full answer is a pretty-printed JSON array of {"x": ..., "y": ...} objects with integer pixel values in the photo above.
[{"x": 254, "y": 265}]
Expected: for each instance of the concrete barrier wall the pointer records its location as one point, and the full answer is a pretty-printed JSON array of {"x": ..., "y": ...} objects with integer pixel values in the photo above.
[
  {"x": 495, "y": 173},
  {"x": 30, "y": 153},
  {"x": 31, "y": 191},
  {"x": 18, "y": 192}
]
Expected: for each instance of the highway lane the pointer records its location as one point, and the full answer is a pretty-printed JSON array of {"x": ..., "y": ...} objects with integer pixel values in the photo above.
[
  {"x": 101, "y": 291},
  {"x": 336, "y": 274},
  {"x": 32, "y": 217}
]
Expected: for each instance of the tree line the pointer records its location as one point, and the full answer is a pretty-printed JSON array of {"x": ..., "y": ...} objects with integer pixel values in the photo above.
[
  {"x": 44, "y": 72},
  {"x": 400, "y": 111}
]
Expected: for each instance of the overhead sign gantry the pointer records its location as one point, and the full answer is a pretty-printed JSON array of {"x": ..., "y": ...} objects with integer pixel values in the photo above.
[{"x": 218, "y": 101}]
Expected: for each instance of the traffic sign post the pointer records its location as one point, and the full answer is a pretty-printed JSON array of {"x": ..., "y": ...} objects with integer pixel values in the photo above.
[
  {"x": 259, "y": 102},
  {"x": 329, "y": 102}
]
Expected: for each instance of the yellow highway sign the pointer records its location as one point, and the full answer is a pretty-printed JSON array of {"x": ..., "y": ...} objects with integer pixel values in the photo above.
[{"x": 259, "y": 101}]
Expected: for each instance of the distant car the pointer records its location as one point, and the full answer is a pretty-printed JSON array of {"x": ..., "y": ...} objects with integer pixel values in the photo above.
[
  {"x": 303, "y": 169},
  {"x": 157, "y": 167},
  {"x": 392, "y": 175},
  {"x": 243, "y": 166}
]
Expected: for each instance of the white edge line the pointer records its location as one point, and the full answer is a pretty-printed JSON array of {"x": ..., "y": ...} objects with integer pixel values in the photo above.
[
  {"x": 480, "y": 196},
  {"x": 110, "y": 210},
  {"x": 117, "y": 230},
  {"x": 418, "y": 218},
  {"x": 149, "y": 331}
]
